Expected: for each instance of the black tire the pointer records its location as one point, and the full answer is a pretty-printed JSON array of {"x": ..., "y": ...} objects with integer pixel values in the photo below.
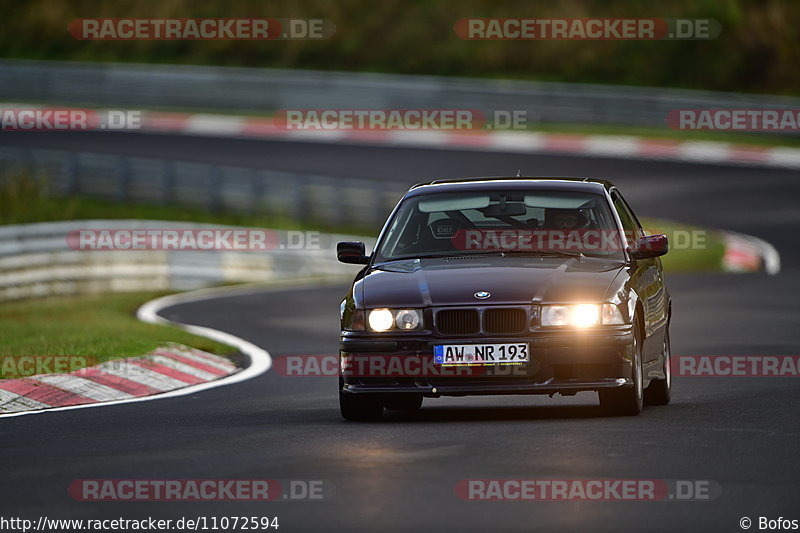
[
  {"x": 360, "y": 407},
  {"x": 627, "y": 401},
  {"x": 660, "y": 390},
  {"x": 403, "y": 402}
]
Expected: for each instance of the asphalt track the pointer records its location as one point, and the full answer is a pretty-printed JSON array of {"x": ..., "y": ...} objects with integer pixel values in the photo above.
[{"x": 400, "y": 474}]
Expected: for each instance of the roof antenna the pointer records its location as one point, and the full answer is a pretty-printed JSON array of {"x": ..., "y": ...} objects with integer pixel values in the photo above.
[{"x": 519, "y": 173}]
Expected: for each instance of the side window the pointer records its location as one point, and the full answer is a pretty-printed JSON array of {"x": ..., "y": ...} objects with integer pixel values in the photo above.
[{"x": 629, "y": 223}]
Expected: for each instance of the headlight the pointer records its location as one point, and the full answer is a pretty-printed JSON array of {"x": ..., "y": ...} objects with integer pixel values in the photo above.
[
  {"x": 612, "y": 316},
  {"x": 585, "y": 315},
  {"x": 407, "y": 319},
  {"x": 380, "y": 319},
  {"x": 581, "y": 315},
  {"x": 402, "y": 319}
]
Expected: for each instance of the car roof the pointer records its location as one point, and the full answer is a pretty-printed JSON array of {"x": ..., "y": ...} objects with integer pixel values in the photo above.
[{"x": 550, "y": 183}]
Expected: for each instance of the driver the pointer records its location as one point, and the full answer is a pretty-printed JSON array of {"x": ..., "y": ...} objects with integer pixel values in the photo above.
[{"x": 566, "y": 219}]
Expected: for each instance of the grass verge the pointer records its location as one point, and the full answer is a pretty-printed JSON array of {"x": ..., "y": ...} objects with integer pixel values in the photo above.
[
  {"x": 692, "y": 249},
  {"x": 99, "y": 327},
  {"x": 25, "y": 199}
]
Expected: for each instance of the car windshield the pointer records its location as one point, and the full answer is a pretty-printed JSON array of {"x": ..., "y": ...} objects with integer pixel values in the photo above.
[{"x": 546, "y": 222}]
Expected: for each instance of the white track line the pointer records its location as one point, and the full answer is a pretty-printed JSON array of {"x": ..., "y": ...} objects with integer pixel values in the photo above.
[{"x": 260, "y": 360}]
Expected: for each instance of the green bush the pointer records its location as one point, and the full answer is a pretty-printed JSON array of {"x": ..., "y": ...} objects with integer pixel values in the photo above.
[
  {"x": 758, "y": 50},
  {"x": 26, "y": 198}
]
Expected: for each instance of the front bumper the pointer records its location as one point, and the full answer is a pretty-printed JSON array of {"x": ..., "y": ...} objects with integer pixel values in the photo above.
[{"x": 564, "y": 362}]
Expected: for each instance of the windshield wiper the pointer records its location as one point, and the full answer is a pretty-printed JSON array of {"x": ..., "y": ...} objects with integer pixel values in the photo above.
[
  {"x": 418, "y": 256},
  {"x": 578, "y": 255}
]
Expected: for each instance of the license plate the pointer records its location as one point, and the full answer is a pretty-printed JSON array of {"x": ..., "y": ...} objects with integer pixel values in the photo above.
[{"x": 480, "y": 354}]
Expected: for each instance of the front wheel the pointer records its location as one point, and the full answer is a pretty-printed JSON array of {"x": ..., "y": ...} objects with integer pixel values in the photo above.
[
  {"x": 627, "y": 401},
  {"x": 359, "y": 407}
]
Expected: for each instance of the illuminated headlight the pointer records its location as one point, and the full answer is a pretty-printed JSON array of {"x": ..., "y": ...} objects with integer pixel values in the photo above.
[
  {"x": 380, "y": 319},
  {"x": 581, "y": 315},
  {"x": 386, "y": 319}
]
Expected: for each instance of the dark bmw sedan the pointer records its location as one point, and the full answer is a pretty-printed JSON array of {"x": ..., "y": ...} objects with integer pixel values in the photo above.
[{"x": 506, "y": 286}]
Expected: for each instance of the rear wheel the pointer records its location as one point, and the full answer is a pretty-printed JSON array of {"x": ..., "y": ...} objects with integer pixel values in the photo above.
[
  {"x": 627, "y": 401},
  {"x": 403, "y": 402},
  {"x": 660, "y": 390}
]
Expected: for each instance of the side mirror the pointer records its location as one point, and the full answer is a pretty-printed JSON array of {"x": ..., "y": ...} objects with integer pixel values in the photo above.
[
  {"x": 649, "y": 246},
  {"x": 351, "y": 252}
]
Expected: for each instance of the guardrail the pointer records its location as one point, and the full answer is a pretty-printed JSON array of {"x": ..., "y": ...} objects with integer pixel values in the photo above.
[
  {"x": 36, "y": 261},
  {"x": 334, "y": 202},
  {"x": 266, "y": 90}
]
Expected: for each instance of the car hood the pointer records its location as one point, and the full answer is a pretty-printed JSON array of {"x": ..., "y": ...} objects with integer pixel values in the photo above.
[{"x": 509, "y": 280}]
